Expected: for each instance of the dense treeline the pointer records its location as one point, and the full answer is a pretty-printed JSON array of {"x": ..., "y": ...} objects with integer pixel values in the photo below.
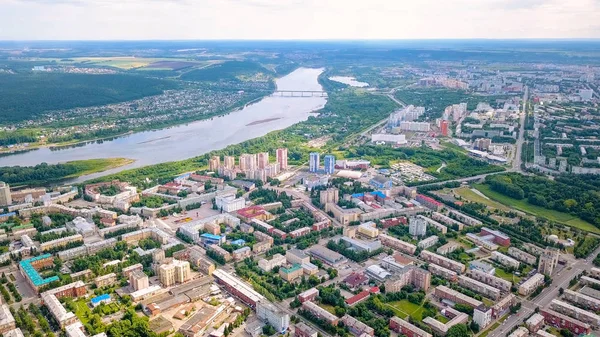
[
  {"x": 43, "y": 172},
  {"x": 26, "y": 96},
  {"x": 17, "y": 137},
  {"x": 573, "y": 194}
]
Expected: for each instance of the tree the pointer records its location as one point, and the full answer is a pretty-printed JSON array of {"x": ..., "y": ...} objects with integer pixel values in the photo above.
[
  {"x": 458, "y": 330},
  {"x": 474, "y": 327}
]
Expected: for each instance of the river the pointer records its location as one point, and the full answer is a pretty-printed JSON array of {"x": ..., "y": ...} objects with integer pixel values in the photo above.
[{"x": 193, "y": 139}]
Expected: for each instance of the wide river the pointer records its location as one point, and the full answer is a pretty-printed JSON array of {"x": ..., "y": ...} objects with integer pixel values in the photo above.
[{"x": 193, "y": 139}]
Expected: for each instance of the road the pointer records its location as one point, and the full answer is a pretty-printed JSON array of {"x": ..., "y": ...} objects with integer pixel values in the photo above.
[
  {"x": 516, "y": 163},
  {"x": 560, "y": 280}
]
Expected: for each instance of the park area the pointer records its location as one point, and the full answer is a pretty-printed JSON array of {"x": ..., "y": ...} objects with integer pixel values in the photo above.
[
  {"x": 405, "y": 308},
  {"x": 524, "y": 206}
]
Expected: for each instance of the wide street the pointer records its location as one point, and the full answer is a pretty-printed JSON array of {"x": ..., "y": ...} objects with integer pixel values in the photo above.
[
  {"x": 560, "y": 280},
  {"x": 516, "y": 163}
]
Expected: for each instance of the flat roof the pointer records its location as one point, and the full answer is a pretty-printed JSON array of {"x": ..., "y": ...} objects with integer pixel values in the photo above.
[
  {"x": 100, "y": 298},
  {"x": 33, "y": 274}
]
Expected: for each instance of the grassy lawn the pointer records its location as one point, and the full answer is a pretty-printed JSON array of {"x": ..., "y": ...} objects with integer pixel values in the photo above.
[
  {"x": 404, "y": 308},
  {"x": 467, "y": 194},
  {"x": 328, "y": 307},
  {"x": 506, "y": 276},
  {"x": 442, "y": 318},
  {"x": 83, "y": 312},
  {"x": 523, "y": 205}
]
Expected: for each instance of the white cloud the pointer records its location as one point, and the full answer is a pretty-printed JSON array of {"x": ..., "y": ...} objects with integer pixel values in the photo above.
[{"x": 297, "y": 19}]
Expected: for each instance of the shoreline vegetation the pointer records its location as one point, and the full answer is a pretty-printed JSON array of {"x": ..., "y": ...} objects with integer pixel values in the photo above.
[
  {"x": 118, "y": 134},
  {"x": 44, "y": 174}
]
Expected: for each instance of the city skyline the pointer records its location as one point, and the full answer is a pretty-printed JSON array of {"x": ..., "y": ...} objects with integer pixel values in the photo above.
[{"x": 309, "y": 20}]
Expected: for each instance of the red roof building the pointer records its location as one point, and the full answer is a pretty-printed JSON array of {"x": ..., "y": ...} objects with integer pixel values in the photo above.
[{"x": 356, "y": 279}]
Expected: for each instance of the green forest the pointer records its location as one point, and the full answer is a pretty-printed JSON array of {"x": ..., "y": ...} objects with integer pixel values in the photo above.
[
  {"x": 578, "y": 195},
  {"x": 28, "y": 95}
]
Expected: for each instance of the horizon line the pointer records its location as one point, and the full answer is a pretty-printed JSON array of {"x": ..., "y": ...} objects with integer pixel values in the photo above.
[{"x": 595, "y": 39}]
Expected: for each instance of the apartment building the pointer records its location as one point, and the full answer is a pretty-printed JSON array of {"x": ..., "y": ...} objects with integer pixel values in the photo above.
[
  {"x": 467, "y": 220},
  {"x": 483, "y": 316},
  {"x": 503, "y": 305},
  {"x": 277, "y": 260},
  {"x": 535, "y": 322},
  {"x": 60, "y": 242},
  {"x": 548, "y": 261},
  {"x": 561, "y": 321},
  {"x": 415, "y": 276},
  {"x": 491, "y": 280},
  {"x": 329, "y": 195},
  {"x": 582, "y": 300},
  {"x": 303, "y": 330},
  {"x": 417, "y": 226},
  {"x": 441, "y": 329},
  {"x": 443, "y": 261},
  {"x": 320, "y": 313},
  {"x": 529, "y": 286},
  {"x": 139, "y": 280},
  {"x": 220, "y": 251},
  {"x": 105, "y": 280},
  {"x": 403, "y": 327},
  {"x": 356, "y": 327},
  {"x": 575, "y": 312},
  {"x": 522, "y": 256},
  {"x": 368, "y": 229},
  {"x": 442, "y": 272},
  {"x": 447, "y": 220},
  {"x": 434, "y": 224},
  {"x": 7, "y": 321},
  {"x": 127, "y": 271},
  {"x": 58, "y": 311},
  {"x": 308, "y": 295},
  {"x": 445, "y": 293},
  {"x": 505, "y": 260},
  {"x": 277, "y": 318},
  {"x": 397, "y": 244},
  {"x": 428, "y": 242},
  {"x": 448, "y": 248},
  {"x": 344, "y": 215},
  {"x": 175, "y": 272},
  {"x": 479, "y": 287}
]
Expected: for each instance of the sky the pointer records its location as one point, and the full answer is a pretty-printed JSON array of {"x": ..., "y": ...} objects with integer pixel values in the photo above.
[{"x": 297, "y": 19}]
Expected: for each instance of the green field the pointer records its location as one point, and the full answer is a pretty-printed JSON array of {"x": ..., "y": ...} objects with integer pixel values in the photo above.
[
  {"x": 467, "y": 194},
  {"x": 83, "y": 312},
  {"x": 404, "y": 308},
  {"x": 524, "y": 206},
  {"x": 506, "y": 276}
]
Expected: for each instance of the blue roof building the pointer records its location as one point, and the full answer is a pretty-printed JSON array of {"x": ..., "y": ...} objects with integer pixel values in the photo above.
[
  {"x": 238, "y": 242},
  {"x": 8, "y": 215},
  {"x": 211, "y": 239},
  {"x": 35, "y": 279},
  {"x": 104, "y": 298}
]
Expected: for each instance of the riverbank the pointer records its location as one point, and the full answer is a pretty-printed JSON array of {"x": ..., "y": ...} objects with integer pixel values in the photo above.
[
  {"x": 17, "y": 149},
  {"x": 44, "y": 174},
  {"x": 192, "y": 139}
]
